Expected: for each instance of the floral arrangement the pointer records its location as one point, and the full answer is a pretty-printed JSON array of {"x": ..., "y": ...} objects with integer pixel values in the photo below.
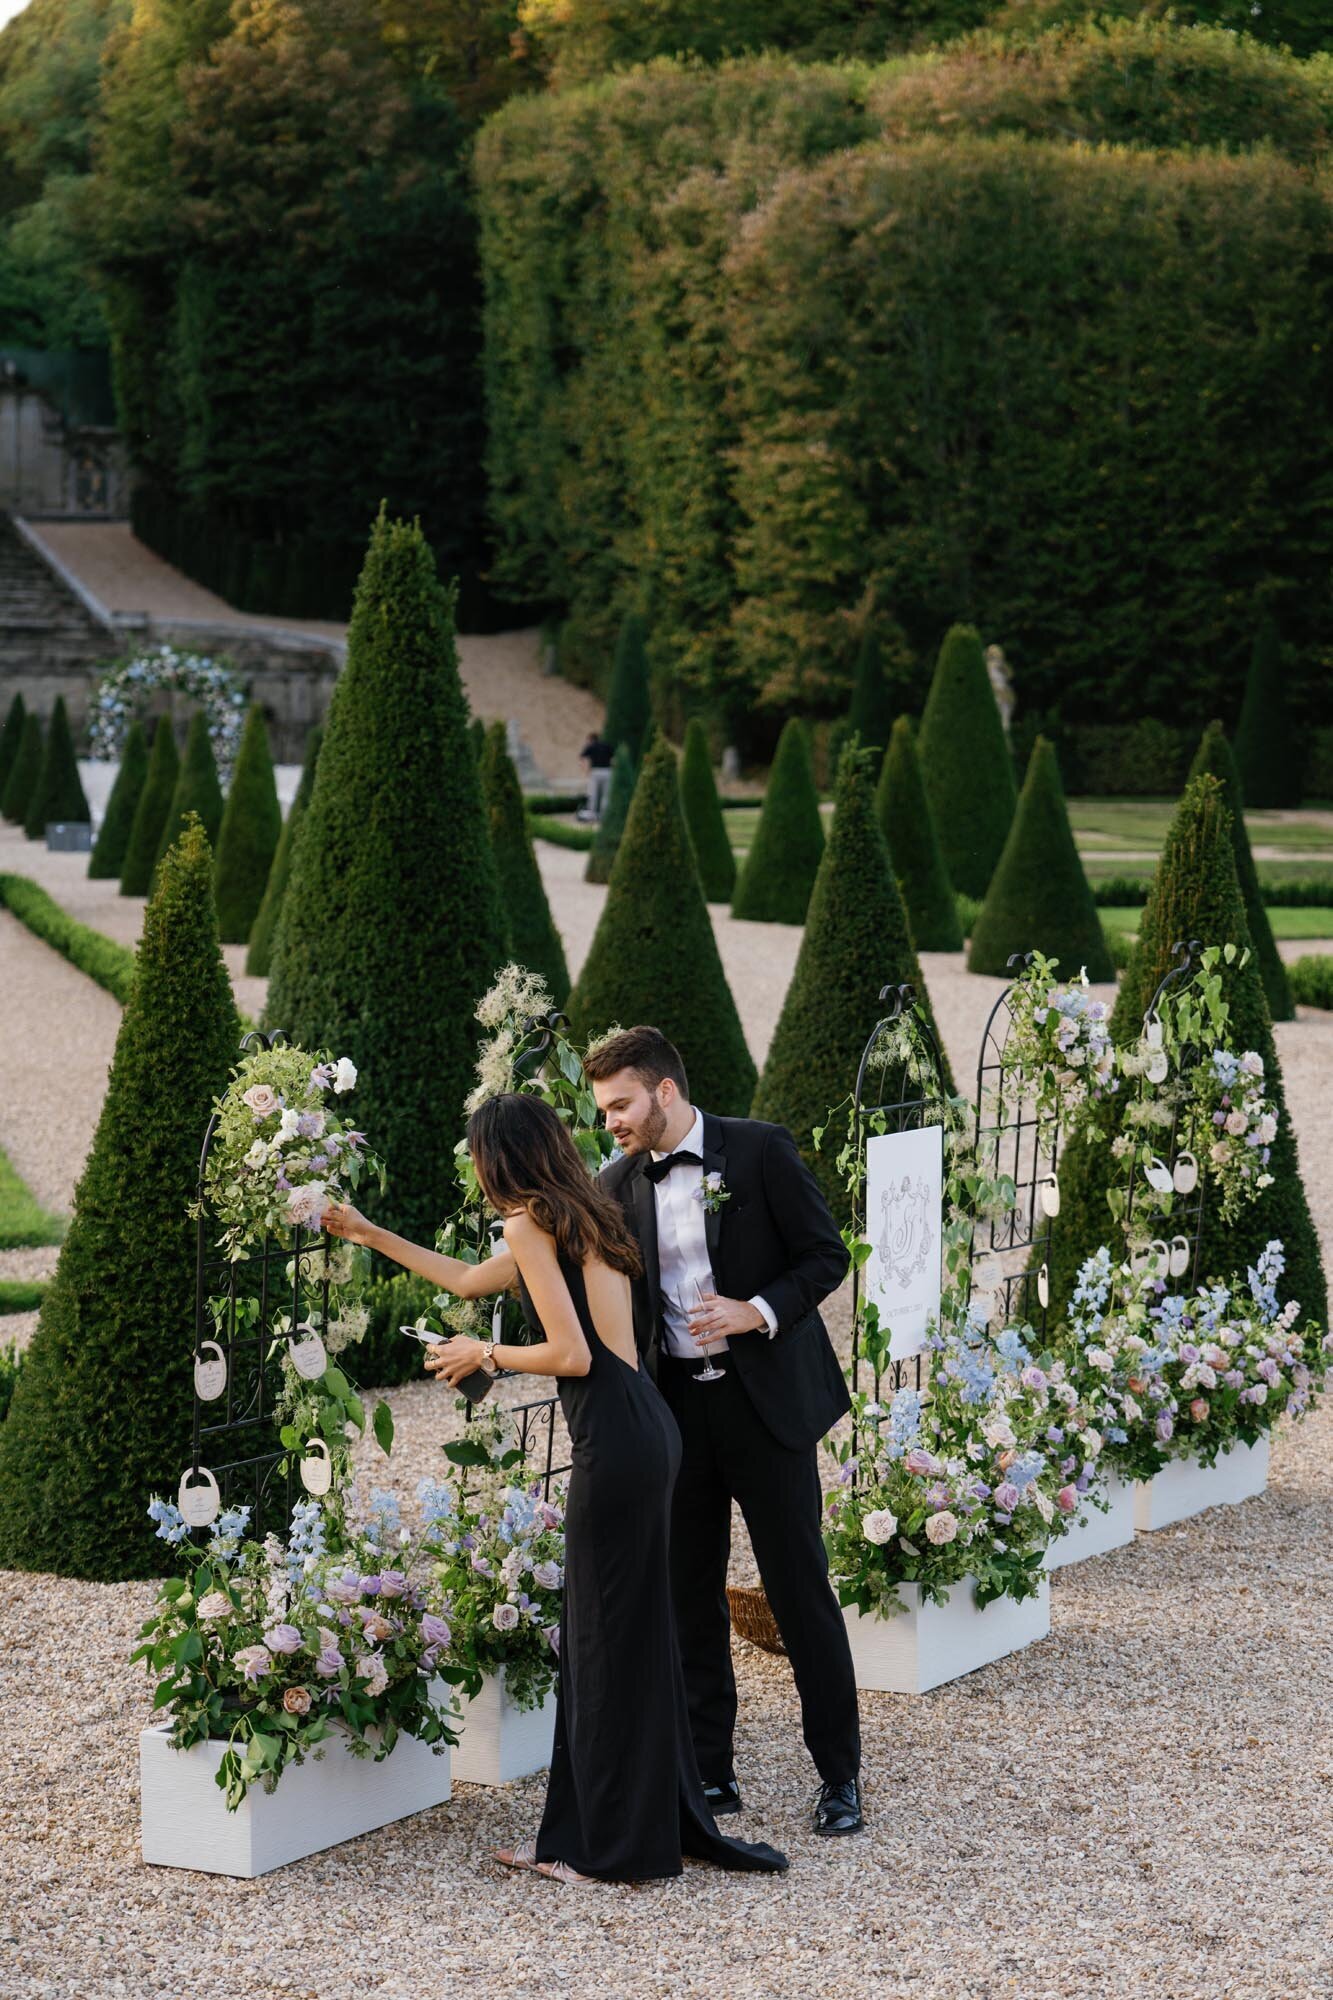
[
  {"x": 273, "y": 1646},
  {"x": 120, "y": 695},
  {"x": 1059, "y": 1049}
]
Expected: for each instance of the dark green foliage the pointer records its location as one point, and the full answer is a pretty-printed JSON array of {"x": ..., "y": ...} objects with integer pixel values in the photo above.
[
  {"x": 198, "y": 789},
  {"x": 10, "y": 738},
  {"x": 533, "y": 938},
  {"x": 1312, "y": 979},
  {"x": 778, "y": 874},
  {"x": 476, "y": 736},
  {"x": 24, "y": 1223},
  {"x": 383, "y": 1358},
  {"x": 908, "y": 826},
  {"x": 150, "y": 815},
  {"x": 113, "y": 836},
  {"x": 629, "y": 705},
  {"x": 251, "y": 829},
  {"x": 565, "y": 833},
  {"x": 58, "y": 794},
  {"x": 101, "y": 1415},
  {"x": 1039, "y": 899},
  {"x": 109, "y": 963},
  {"x": 1268, "y": 754},
  {"x": 965, "y": 763},
  {"x": 856, "y": 942},
  {"x": 11, "y": 1367},
  {"x": 610, "y": 829},
  {"x": 25, "y": 772},
  {"x": 654, "y": 958},
  {"x": 259, "y": 956},
  {"x": 871, "y": 715},
  {"x": 1214, "y": 756},
  {"x": 1195, "y": 895},
  {"x": 703, "y": 816},
  {"x": 392, "y": 925}
]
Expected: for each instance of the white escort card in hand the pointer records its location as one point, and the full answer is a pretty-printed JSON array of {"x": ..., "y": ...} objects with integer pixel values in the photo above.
[
  {"x": 499, "y": 1742},
  {"x": 929, "y": 1644},
  {"x": 904, "y": 1211},
  {"x": 1184, "y": 1487}
]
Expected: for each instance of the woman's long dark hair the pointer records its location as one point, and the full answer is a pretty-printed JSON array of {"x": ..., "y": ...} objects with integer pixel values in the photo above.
[{"x": 525, "y": 1158}]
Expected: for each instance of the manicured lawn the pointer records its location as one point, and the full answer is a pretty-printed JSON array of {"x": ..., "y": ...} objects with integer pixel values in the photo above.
[
  {"x": 23, "y": 1222},
  {"x": 1287, "y": 923},
  {"x": 1141, "y": 824}
]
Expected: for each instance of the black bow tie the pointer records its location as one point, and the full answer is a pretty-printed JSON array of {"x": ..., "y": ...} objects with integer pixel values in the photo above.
[{"x": 657, "y": 1170}]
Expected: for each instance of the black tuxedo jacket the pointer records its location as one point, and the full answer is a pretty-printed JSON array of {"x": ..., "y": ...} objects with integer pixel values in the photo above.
[{"x": 773, "y": 1237}]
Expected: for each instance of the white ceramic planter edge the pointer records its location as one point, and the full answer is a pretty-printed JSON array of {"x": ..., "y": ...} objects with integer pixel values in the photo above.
[
  {"x": 1184, "y": 1488},
  {"x": 929, "y": 1644},
  {"x": 1098, "y": 1533},
  {"x": 499, "y": 1743}
]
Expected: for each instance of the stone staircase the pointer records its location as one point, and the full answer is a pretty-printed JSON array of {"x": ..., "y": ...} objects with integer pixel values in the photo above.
[{"x": 45, "y": 632}]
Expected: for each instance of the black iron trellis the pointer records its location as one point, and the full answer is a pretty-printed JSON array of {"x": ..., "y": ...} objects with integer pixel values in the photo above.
[
  {"x": 1187, "y": 1205},
  {"x": 903, "y": 1114}
]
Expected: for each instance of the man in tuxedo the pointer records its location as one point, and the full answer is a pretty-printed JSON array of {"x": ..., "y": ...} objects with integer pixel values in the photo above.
[{"x": 739, "y": 1250}]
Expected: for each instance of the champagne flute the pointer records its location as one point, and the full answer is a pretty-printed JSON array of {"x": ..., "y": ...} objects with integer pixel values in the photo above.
[{"x": 709, "y": 1372}]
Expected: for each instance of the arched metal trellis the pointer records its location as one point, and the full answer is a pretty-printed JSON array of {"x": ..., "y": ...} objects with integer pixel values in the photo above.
[
  {"x": 1182, "y": 1140},
  {"x": 1011, "y": 1140}
]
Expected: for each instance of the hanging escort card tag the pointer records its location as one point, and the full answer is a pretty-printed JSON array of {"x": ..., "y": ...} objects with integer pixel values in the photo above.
[
  {"x": 1049, "y": 1190},
  {"x": 198, "y": 1504},
  {"x": 1179, "y": 1261},
  {"x": 1044, "y": 1286},
  {"x": 1158, "y": 1177},
  {"x": 307, "y": 1356},
  {"x": 1157, "y": 1066},
  {"x": 210, "y": 1376},
  {"x": 1152, "y": 1034},
  {"x": 316, "y": 1468},
  {"x": 1186, "y": 1176}
]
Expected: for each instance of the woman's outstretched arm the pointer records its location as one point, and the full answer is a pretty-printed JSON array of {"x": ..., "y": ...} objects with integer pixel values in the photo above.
[
  {"x": 450, "y": 1274},
  {"x": 565, "y": 1348}
]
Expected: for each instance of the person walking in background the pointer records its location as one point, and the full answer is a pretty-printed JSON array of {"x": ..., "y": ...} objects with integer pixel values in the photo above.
[{"x": 595, "y": 757}]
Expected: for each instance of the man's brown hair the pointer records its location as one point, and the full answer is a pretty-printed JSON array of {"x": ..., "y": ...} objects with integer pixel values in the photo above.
[{"x": 644, "y": 1050}]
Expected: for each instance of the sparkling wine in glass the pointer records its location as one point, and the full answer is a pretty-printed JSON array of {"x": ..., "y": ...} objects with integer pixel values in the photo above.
[{"x": 709, "y": 1372}]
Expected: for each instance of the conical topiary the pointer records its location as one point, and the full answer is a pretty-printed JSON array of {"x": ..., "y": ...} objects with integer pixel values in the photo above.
[
  {"x": 779, "y": 872},
  {"x": 58, "y": 794},
  {"x": 533, "y": 938},
  {"x": 1195, "y": 894},
  {"x": 10, "y": 738},
  {"x": 629, "y": 705},
  {"x": 150, "y": 815},
  {"x": 611, "y": 826},
  {"x": 476, "y": 736},
  {"x": 25, "y": 771},
  {"x": 113, "y": 836},
  {"x": 1214, "y": 756},
  {"x": 965, "y": 762},
  {"x": 871, "y": 715},
  {"x": 856, "y": 942},
  {"x": 392, "y": 926},
  {"x": 1269, "y": 762},
  {"x": 908, "y": 826},
  {"x": 1039, "y": 899},
  {"x": 259, "y": 957},
  {"x": 703, "y": 816},
  {"x": 197, "y": 788},
  {"x": 101, "y": 1415},
  {"x": 654, "y": 957},
  {"x": 251, "y": 829}
]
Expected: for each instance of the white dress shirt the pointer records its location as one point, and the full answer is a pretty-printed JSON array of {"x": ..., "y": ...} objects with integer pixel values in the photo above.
[{"x": 682, "y": 1251}]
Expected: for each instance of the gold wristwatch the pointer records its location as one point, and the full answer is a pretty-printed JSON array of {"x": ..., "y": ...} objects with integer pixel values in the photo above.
[{"x": 488, "y": 1360}]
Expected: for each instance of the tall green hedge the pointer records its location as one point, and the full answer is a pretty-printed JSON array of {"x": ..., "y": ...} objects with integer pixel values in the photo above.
[
  {"x": 703, "y": 816},
  {"x": 1269, "y": 755},
  {"x": 1214, "y": 757},
  {"x": 101, "y": 1414},
  {"x": 856, "y": 942},
  {"x": 392, "y": 925},
  {"x": 150, "y": 815},
  {"x": 965, "y": 762},
  {"x": 533, "y": 938},
  {"x": 24, "y": 772},
  {"x": 778, "y": 874},
  {"x": 908, "y": 826},
  {"x": 610, "y": 830},
  {"x": 871, "y": 715},
  {"x": 113, "y": 836},
  {"x": 10, "y": 738},
  {"x": 1039, "y": 899},
  {"x": 251, "y": 829},
  {"x": 58, "y": 793},
  {"x": 259, "y": 955},
  {"x": 654, "y": 958},
  {"x": 629, "y": 704},
  {"x": 198, "y": 788}
]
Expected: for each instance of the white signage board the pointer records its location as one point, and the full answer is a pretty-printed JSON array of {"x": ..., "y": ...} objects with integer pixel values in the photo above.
[{"x": 904, "y": 1227}]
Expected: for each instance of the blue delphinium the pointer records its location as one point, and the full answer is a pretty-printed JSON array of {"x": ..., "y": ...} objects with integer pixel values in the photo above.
[{"x": 170, "y": 1524}]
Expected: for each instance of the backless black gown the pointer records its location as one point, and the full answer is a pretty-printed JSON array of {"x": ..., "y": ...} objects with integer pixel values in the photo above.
[{"x": 624, "y": 1800}]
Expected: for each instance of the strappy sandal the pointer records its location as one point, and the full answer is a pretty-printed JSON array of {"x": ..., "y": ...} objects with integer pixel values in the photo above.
[
  {"x": 522, "y": 1856},
  {"x": 562, "y": 1871}
]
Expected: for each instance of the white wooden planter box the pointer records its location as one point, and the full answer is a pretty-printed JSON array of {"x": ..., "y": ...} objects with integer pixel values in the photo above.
[
  {"x": 929, "y": 1644},
  {"x": 1184, "y": 1487},
  {"x": 1097, "y": 1533},
  {"x": 499, "y": 1742},
  {"x": 316, "y": 1804}
]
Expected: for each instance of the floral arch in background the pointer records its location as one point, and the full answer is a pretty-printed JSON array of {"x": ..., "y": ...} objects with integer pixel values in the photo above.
[{"x": 122, "y": 692}]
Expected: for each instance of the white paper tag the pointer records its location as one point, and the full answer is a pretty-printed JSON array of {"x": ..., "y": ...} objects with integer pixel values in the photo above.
[
  {"x": 308, "y": 1357},
  {"x": 316, "y": 1469},
  {"x": 198, "y": 1504},
  {"x": 210, "y": 1375}
]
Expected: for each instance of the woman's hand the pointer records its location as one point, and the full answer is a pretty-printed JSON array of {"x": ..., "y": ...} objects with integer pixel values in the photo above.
[
  {"x": 341, "y": 1219},
  {"x": 453, "y": 1359}
]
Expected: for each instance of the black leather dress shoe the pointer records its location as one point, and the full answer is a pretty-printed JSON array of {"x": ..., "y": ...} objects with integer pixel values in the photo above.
[
  {"x": 724, "y": 1798},
  {"x": 838, "y": 1808}
]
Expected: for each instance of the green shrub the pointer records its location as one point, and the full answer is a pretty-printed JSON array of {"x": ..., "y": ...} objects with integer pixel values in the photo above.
[
  {"x": 250, "y": 831},
  {"x": 150, "y": 815},
  {"x": 11, "y": 1368},
  {"x": 610, "y": 829},
  {"x": 260, "y": 954},
  {"x": 10, "y": 738},
  {"x": 1214, "y": 756},
  {"x": 1118, "y": 947},
  {"x": 563, "y": 833},
  {"x": 392, "y": 925},
  {"x": 21, "y": 1295},
  {"x": 383, "y": 1357},
  {"x": 24, "y": 1223},
  {"x": 534, "y": 940},
  {"x": 778, "y": 874},
  {"x": 969, "y": 909},
  {"x": 101, "y": 1413},
  {"x": 1311, "y": 979},
  {"x": 109, "y": 963},
  {"x": 871, "y": 715},
  {"x": 1039, "y": 899},
  {"x": 654, "y": 957},
  {"x": 908, "y": 826},
  {"x": 1268, "y": 753},
  {"x": 856, "y": 942},
  {"x": 58, "y": 793},
  {"x": 24, "y": 772},
  {"x": 197, "y": 788},
  {"x": 629, "y": 702},
  {"x": 965, "y": 763},
  {"x": 703, "y": 816},
  {"x": 113, "y": 836}
]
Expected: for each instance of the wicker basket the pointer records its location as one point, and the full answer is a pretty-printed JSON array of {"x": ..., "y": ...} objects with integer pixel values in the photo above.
[{"x": 752, "y": 1617}]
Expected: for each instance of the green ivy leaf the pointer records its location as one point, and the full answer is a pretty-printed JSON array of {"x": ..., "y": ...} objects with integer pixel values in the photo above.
[{"x": 382, "y": 1422}]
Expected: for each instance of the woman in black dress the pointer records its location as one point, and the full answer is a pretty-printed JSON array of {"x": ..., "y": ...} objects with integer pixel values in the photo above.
[{"x": 624, "y": 1801}]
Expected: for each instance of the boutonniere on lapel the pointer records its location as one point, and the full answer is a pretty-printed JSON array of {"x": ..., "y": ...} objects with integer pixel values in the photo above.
[{"x": 711, "y": 1192}]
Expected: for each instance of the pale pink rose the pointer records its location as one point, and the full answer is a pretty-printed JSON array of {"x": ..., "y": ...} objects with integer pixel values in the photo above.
[
  {"x": 1067, "y": 1499},
  {"x": 296, "y": 1701},
  {"x": 261, "y": 1099},
  {"x": 216, "y": 1605},
  {"x": 376, "y": 1629},
  {"x": 941, "y": 1528},
  {"x": 505, "y": 1617},
  {"x": 1237, "y": 1124},
  {"x": 1199, "y": 1409},
  {"x": 921, "y": 1461}
]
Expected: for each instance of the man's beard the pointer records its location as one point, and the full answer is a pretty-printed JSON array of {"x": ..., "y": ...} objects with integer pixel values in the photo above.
[{"x": 647, "y": 1135}]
